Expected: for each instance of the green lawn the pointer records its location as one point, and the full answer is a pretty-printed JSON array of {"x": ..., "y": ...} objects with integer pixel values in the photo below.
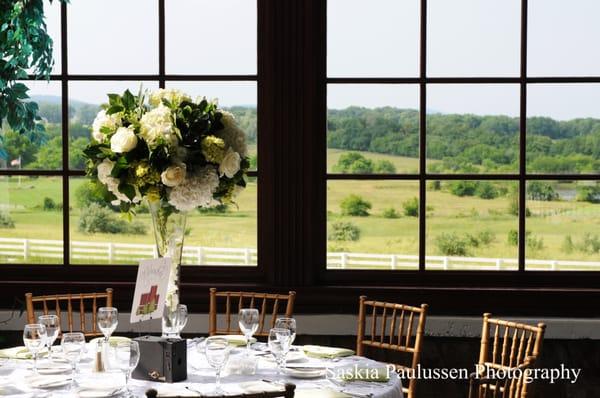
[{"x": 550, "y": 222}]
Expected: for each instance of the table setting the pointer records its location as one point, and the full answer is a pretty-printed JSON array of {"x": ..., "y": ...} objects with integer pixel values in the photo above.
[{"x": 215, "y": 365}]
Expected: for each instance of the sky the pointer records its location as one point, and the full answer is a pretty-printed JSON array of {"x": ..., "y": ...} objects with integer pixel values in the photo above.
[{"x": 464, "y": 38}]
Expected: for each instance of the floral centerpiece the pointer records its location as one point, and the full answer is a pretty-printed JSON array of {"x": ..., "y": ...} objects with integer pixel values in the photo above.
[{"x": 171, "y": 153}]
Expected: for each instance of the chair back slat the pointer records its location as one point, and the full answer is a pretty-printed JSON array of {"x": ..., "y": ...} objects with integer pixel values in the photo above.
[
  {"x": 404, "y": 333},
  {"x": 269, "y": 306},
  {"x": 519, "y": 349},
  {"x": 73, "y": 301}
]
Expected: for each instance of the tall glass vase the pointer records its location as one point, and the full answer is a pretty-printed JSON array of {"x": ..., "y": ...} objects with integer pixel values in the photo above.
[{"x": 169, "y": 232}]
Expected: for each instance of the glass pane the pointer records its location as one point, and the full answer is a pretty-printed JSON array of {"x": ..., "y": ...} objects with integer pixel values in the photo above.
[
  {"x": 221, "y": 34},
  {"x": 222, "y": 236},
  {"x": 113, "y": 36},
  {"x": 562, "y": 226},
  {"x": 473, "y": 38},
  {"x": 472, "y": 225},
  {"x": 378, "y": 38},
  {"x": 378, "y": 228},
  {"x": 31, "y": 220},
  {"x": 240, "y": 98},
  {"x": 372, "y": 128},
  {"x": 561, "y": 36},
  {"x": 52, "y": 19},
  {"x": 472, "y": 128},
  {"x": 85, "y": 98},
  {"x": 563, "y": 128},
  {"x": 34, "y": 150}
]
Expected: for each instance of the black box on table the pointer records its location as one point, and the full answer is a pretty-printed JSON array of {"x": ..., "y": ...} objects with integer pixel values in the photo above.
[{"x": 161, "y": 359}]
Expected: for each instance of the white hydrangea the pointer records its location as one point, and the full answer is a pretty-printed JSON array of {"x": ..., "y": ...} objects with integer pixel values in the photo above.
[
  {"x": 233, "y": 136},
  {"x": 157, "y": 127},
  {"x": 196, "y": 190},
  {"x": 175, "y": 97},
  {"x": 112, "y": 183},
  {"x": 102, "y": 120}
]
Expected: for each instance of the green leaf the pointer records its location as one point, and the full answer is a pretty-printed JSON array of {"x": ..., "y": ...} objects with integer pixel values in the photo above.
[
  {"x": 119, "y": 166},
  {"x": 114, "y": 109},
  {"x": 127, "y": 190}
]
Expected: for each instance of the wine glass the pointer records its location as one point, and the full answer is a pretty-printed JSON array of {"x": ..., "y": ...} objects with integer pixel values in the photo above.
[
  {"x": 217, "y": 354},
  {"x": 279, "y": 344},
  {"x": 287, "y": 323},
  {"x": 248, "y": 322},
  {"x": 72, "y": 344},
  {"x": 108, "y": 319},
  {"x": 128, "y": 356},
  {"x": 34, "y": 338},
  {"x": 52, "y": 324}
]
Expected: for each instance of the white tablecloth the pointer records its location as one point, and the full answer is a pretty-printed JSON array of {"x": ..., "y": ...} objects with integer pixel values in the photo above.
[{"x": 15, "y": 377}]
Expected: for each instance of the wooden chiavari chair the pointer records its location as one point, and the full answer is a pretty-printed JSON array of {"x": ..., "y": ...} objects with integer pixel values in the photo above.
[
  {"x": 404, "y": 332},
  {"x": 514, "y": 348},
  {"x": 287, "y": 393},
  {"x": 267, "y": 304},
  {"x": 56, "y": 303}
]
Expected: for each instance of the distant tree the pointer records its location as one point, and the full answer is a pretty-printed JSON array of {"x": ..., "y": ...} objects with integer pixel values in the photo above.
[
  {"x": 486, "y": 190},
  {"x": 588, "y": 193},
  {"x": 353, "y": 163},
  {"x": 411, "y": 207},
  {"x": 49, "y": 155},
  {"x": 76, "y": 159},
  {"x": 354, "y": 205},
  {"x": 18, "y": 145},
  {"x": 390, "y": 212},
  {"x": 539, "y": 190},
  {"x": 463, "y": 188}
]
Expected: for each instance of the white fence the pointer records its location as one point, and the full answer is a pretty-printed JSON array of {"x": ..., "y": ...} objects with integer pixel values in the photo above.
[
  {"x": 35, "y": 250},
  {"x": 19, "y": 250}
]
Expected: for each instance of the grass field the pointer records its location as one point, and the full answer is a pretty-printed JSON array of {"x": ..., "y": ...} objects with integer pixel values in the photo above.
[{"x": 550, "y": 222}]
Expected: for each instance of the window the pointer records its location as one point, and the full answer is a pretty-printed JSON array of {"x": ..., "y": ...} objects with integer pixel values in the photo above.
[
  {"x": 483, "y": 155},
  {"x": 46, "y": 202}
]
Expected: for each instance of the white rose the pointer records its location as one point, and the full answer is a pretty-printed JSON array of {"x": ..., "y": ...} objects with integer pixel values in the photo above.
[
  {"x": 174, "y": 96},
  {"x": 173, "y": 175},
  {"x": 232, "y": 134},
  {"x": 124, "y": 140},
  {"x": 157, "y": 127},
  {"x": 230, "y": 164},
  {"x": 104, "y": 170},
  {"x": 103, "y": 120}
]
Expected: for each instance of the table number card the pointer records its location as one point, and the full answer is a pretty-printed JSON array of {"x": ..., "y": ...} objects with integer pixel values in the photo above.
[{"x": 150, "y": 289}]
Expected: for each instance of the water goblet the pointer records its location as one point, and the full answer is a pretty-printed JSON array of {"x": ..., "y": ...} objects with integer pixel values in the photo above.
[
  {"x": 248, "y": 323},
  {"x": 52, "y": 324},
  {"x": 287, "y": 323},
  {"x": 217, "y": 354},
  {"x": 182, "y": 317},
  {"x": 34, "y": 338},
  {"x": 128, "y": 356},
  {"x": 108, "y": 319},
  {"x": 72, "y": 345},
  {"x": 279, "y": 344}
]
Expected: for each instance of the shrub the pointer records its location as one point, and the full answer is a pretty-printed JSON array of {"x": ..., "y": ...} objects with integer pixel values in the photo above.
[
  {"x": 89, "y": 192},
  {"x": 451, "y": 244},
  {"x": 568, "y": 245},
  {"x": 435, "y": 185},
  {"x": 99, "y": 219},
  {"x": 353, "y": 163},
  {"x": 218, "y": 209},
  {"x": 531, "y": 241},
  {"x": 344, "y": 231},
  {"x": 539, "y": 190},
  {"x": 486, "y": 190},
  {"x": 411, "y": 207},
  {"x": 390, "y": 213},
  {"x": 6, "y": 221},
  {"x": 384, "y": 167},
  {"x": 486, "y": 237},
  {"x": 355, "y": 205},
  {"x": 50, "y": 205},
  {"x": 463, "y": 188},
  {"x": 590, "y": 244},
  {"x": 589, "y": 194},
  {"x": 513, "y": 237}
]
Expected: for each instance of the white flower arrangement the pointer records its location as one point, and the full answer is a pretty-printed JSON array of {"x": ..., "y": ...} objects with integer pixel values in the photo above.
[{"x": 186, "y": 153}]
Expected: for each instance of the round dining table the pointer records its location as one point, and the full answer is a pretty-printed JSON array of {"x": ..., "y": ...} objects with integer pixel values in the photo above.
[{"x": 245, "y": 372}]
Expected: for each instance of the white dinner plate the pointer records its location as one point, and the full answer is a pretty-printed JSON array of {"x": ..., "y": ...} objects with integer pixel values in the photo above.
[
  {"x": 49, "y": 381},
  {"x": 100, "y": 393},
  {"x": 54, "y": 369},
  {"x": 292, "y": 356},
  {"x": 305, "y": 373}
]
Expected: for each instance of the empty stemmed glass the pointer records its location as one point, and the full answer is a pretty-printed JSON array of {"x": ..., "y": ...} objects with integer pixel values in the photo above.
[
  {"x": 34, "y": 338},
  {"x": 182, "y": 318},
  {"x": 108, "y": 319},
  {"x": 217, "y": 354},
  {"x": 128, "y": 356},
  {"x": 287, "y": 323},
  {"x": 52, "y": 324},
  {"x": 279, "y": 344},
  {"x": 248, "y": 322},
  {"x": 72, "y": 345}
]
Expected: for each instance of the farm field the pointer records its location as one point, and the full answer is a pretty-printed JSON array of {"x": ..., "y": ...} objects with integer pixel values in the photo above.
[{"x": 465, "y": 217}]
